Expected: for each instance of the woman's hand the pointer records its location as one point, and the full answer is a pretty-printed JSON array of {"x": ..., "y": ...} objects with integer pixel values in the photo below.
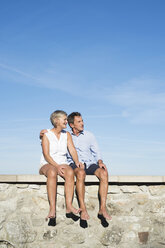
[{"x": 60, "y": 170}]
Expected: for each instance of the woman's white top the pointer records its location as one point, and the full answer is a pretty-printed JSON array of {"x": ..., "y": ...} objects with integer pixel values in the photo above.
[{"x": 57, "y": 148}]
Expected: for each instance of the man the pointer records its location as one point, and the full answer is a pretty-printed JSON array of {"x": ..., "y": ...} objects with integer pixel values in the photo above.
[{"x": 90, "y": 164}]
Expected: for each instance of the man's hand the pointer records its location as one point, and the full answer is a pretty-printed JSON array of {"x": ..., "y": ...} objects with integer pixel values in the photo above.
[
  {"x": 102, "y": 165},
  {"x": 42, "y": 133},
  {"x": 80, "y": 165}
]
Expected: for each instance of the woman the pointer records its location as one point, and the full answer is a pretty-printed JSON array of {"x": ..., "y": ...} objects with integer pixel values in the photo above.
[{"x": 54, "y": 162}]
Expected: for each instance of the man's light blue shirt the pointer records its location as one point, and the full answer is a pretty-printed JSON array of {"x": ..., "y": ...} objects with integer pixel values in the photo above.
[{"x": 87, "y": 148}]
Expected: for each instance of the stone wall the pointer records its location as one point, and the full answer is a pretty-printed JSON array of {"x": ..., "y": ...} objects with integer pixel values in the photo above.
[{"x": 137, "y": 209}]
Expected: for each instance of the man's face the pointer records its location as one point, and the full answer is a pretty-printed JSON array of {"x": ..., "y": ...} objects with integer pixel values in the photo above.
[{"x": 78, "y": 124}]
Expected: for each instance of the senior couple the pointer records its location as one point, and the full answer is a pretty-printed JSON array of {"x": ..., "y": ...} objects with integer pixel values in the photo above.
[{"x": 68, "y": 155}]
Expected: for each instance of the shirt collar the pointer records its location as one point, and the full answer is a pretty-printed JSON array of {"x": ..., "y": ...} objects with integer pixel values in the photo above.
[{"x": 82, "y": 132}]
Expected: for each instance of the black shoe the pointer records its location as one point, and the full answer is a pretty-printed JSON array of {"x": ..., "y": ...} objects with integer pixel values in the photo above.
[
  {"x": 104, "y": 222},
  {"x": 52, "y": 221},
  {"x": 83, "y": 223},
  {"x": 72, "y": 216}
]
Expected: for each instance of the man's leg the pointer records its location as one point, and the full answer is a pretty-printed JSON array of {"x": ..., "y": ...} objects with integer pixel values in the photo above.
[
  {"x": 102, "y": 174},
  {"x": 80, "y": 187}
]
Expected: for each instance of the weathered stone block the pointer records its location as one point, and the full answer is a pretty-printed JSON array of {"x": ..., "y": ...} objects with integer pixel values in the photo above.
[
  {"x": 158, "y": 190},
  {"x": 43, "y": 189},
  {"x": 26, "y": 202},
  {"x": 34, "y": 186},
  {"x": 50, "y": 234},
  {"x": 92, "y": 191},
  {"x": 6, "y": 244},
  {"x": 114, "y": 189},
  {"x": 77, "y": 238},
  {"x": 22, "y": 186},
  {"x": 2, "y": 217},
  {"x": 112, "y": 236},
  {"x": 4, "y": 186},
  {"x": 60, "y": 190},
  {"x": 144, "y": 188},
  {"x": 9, "y": 205},
  {"x": 155, "y": 206},
  {"x": 37, "y": 220},
  {"x": 130, "y": 189},
  {"x": 20, "y": 231}
]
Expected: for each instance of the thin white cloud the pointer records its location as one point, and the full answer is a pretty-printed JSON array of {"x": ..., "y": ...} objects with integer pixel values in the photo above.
[
  {"x": 136, "y": 92},
  {"x": 131, "y": 140},
  {"x": 141, "y": 101},
  {"x": 13, "y": 69},
  {"x": 62, "y": 81},
  {"x": 103, "y": 116},
  {"x": 24, "y": 120}
]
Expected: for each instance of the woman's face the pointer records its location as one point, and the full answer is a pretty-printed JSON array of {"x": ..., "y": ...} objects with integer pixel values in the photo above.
[{"x": 62, "y": 121}]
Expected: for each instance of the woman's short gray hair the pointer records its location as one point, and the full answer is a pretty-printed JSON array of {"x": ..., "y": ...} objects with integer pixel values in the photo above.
[{"x": 56, "y": 115}]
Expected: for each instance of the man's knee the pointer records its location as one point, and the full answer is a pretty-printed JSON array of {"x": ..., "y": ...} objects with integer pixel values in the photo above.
[
  {"x": 103, "y": 174},
  {"x": 69, "y": 172}
]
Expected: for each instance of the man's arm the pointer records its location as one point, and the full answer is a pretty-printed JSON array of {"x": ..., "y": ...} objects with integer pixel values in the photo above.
[
  {"x": 94, "y": 148},
  {"x": 96, "y": 152},
  {"x": 43, "y": 131},
  {"x": 72, "y": 151}
]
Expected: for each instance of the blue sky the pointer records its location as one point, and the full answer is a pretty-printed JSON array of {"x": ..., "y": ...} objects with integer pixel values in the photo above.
[{"x": 103, "y": 58}]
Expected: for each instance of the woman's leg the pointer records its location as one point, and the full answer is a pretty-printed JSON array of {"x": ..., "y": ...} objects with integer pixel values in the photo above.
[
  {"x": 69, "y": 189},
  {"x": 51, "y": 173}
]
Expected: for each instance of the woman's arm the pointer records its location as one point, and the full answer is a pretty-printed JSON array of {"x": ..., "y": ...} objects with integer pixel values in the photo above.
[{"x": 72, "y": 149}]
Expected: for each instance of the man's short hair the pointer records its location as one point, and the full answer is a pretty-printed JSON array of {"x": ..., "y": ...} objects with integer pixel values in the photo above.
[{"x": 71, "y": 117}]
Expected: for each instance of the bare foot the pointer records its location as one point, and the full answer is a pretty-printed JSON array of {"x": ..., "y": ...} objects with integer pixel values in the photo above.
[
  {"x": 105, "y": 215},
  {"x": 84, "y": 215},
  {"x": 73, "y": 210},
  {"x": 51, "y": 214}
]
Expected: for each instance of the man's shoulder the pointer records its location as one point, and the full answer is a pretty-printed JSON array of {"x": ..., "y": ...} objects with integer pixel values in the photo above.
[{"x": 88, "y": 133}]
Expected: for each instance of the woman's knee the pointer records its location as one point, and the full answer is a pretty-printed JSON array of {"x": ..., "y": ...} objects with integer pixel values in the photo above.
[
  {"x": 52, "y": 173},
  {"x": 80, "y": 174}
]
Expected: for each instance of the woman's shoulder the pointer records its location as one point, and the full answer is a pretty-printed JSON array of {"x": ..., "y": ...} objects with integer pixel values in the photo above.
[
  {"x": 64, "y": 133},
  {"x": 49, "y": 133}
]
